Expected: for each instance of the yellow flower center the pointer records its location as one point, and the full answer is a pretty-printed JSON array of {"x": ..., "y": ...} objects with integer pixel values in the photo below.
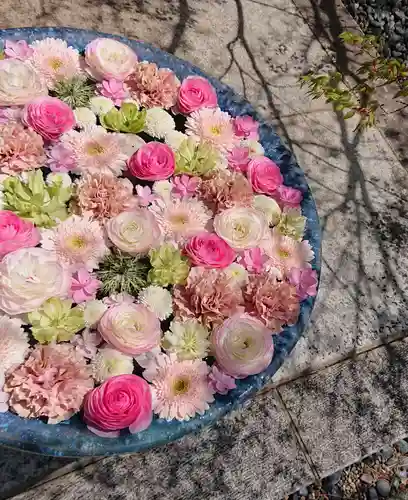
[
  {"x": 179, "y": 219},
  {"x": 216, "y": 129},
  {"x": 181, "y": 386},
  {"x": 76, "y": 242},
  {"x": 55, "y": 63},
  {"x": 94, "y": 149},
  {"x": 284, "y": 254},
  {"x": 240, "y": 229}
]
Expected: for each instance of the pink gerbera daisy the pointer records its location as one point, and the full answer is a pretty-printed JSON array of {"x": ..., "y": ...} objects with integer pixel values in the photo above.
[
  {"x": 286, "y": 253},
  {"x": 180, "y": 389}
]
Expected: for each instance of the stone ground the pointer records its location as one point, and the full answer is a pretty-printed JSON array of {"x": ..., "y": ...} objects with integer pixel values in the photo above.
[{"x": 343, "y": 393}]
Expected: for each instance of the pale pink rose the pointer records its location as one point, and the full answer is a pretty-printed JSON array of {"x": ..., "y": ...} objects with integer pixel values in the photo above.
[
  {"x": 17, "y": 50},
  {"x": 209, "y": 250},
  {"x": 113, "y": 89},
  {"x": 121, "y": 402},
  {"x": 16, "y": 233},
  {"x": 109, "y": 59},
  {"x": 154, "y": 161},
  {"x": 219, "y": 381},
  {"x": 49, "y": 116},
  {"x": 144, "y": 195},
  {"x": 83, "y": 286},
  {"x": 253, "y": 260},
  {"x": 196, "y": 92},
  {"x": 238, "y": 158},
  {"x": 242, "y": 346},
  {"x": 61, "y": 158},
  {"x": 288, "y": 197},
  {"x": 184, "y": 186},
  {"x": 245, "y": 127},
  {"x": 305, "y": 281},
  {"x": 264, "y": 175}
]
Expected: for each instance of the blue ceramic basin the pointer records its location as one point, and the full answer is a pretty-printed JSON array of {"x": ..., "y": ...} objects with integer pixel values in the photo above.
[{"x": 72, "y": 439}]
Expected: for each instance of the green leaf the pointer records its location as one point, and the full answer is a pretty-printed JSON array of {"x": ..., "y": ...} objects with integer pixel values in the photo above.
[{"x": 349, "y": 114}]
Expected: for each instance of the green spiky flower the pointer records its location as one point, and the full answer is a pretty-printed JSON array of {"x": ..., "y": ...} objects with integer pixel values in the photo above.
[
  {"x": 128, "y": 119},
  {"x": 75, "y": 92},
  {"x": 195, "y": 159},
  {"x": 122, "y": 273},
  {"x": 292, "y": 223},
  {"x": 169, "y": 267}
]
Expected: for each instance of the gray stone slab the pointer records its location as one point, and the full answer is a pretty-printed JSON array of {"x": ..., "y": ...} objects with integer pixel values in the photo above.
[
  {"x": 252, "y": 453},
  {"x": 352, "y": 408}
]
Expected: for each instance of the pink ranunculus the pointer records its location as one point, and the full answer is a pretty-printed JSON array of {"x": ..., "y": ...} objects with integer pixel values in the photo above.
[
  {"x": 154, "y": 161},
  {"x": 253, "y": 260},
  {"x": 112, "y": 89},
  {"x": 195, "y": 93},
  {"x": 17, "y": 50},
  {"x": 238, "y": 159},
  {"x": 246, "y": 127},
  {"x": 83, "y": 286},
  {"x": 264, "y": 175},
  {"x": 108, "y": 59},
  {"x": 209, "y": 250},
  {"x": 49, "y": 117},
  {"x": 305, "y": 281},
  {"x": 219, "y": 381},
  {"x": 185, "y": 186},
  {"x": 124, "y": 401},
  {"x": 16, "y": 233},
  {"x": 288, "y": 197}
]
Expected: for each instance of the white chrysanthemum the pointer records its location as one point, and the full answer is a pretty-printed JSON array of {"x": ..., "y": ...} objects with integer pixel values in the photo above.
[
  {"x": 269, "y": 207},
  {"x": 237, "y": 273},
  {"x": 158, "y": 300},
  {"x": 109, "y": 362},
  {"x": 13, "y": 343},
  {"x": 187, "y": 339},
  {"x": 158, "y": 123},
  {"x": 63, "y": 177},
  {"x": 84, "y": 117},
  {"x": 163, "y": 189},
  {"x": 130, "y": 143},
  {"x": 255, "y": 147},
  {"x": 93, "y": 311},
  {"x": 101, "y": 105},
  {"x": 174, "y": 138}
]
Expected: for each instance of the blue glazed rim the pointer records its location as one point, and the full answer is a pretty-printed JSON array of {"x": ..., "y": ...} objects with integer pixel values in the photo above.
[{"x": 72, "y": 439}]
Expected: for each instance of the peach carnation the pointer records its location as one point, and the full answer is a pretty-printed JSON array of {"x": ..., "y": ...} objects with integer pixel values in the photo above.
[{"x": 51, "y": 383}]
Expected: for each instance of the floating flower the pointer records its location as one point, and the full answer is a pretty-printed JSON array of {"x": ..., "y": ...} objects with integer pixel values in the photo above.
[
  {"x": 195, "y": 93},
  {"x": 153, "y": 87},
  {"x": 20, "y": 149},
  {"x": 109, "y": 363},
  {"x": 77, "y": 241},
  {"x": 55, "y": 321},
  {"x": 54, "y": 61},
  {"x": 49, "y": 117},
  {"x": 264, "y": 175},
  {"x": 61, "y": 158},
  {"x": 305, "y": 281},
  {"x": 86, "y": 343},
  {"x": 212, "y": 126},
  {"x": 134, "y": 232},
  {"x": 158, "y": 123},
  {"x": 154, "y": 161},
  {"x": 83, "y": 286},
  {"x": 209, "y": 296},
  {"x": 187, "y": 339},
  {"x": 185, "y": 186},
  {"x": 16, "y": 233},
  {"x": 129, "y": 119},
  {"x": 237, "y": 274},
  {"x": 118, "y": 298},
  {"x": 209, "y": 250},
  {"x": 255, "y": 147},
  {"x": 14, "y": 344},
  {"x": 163, "y": 189},
  {"x": 104, "y": 196},
  {"x": 101, "y": 105},
  {"x": 19, "y": 83},
  {"x": 238, "y": 159},
  {"x": 219, "y": 381},
  {"x": 11, "y": 114},
  {"x": 169, "y": 266},
  {"x": 180, "y": 388},
  {"x": 129, "y": 143},
  {"x": 246, "y": 127},
  {"x": 113, "y": 90},
  {"x": 84, "y": 117},
  {"x": 76, "y": 92},
  {"x": 242, "y": 346},
  {"x": 174, "y": 139},
  {"x": 253, "y": 260},
  {"x": 196, "y": 159},
  {"x": 93, "y": 311},
  {"x": 241, "y": 228},
  {"x": 158, "y": 300},
  {"x": 288, "y": 196},
  {"x": 275, "y": 302},
  {"x": 144, "y": 360},
  {"x": 28, "y": 277},
  {"x": 109, "y": 59},
  {"x": 285, "y": 252},
  {"x": 17, "y": 50},
  {"x": 269, "y": 207},
  {"x": 292, "y": 223},
  {"x": 58, "y": 179},
  {"x": 51, "y": 383},
  {"x": 120, "y": 402},
  {"x": 131, "y": 328}
]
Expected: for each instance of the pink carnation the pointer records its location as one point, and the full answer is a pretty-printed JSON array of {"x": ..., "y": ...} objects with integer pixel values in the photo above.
[
  {"x": 154, "y": 161},
  {"x": 16, "y": 233},
  {"x": 61, "y": 158},
  {"x": 83, "y": 286},
  {"x": 253, "y": 260},
  {"x": 219, "y": 381},
  {"x": 305, "y": 281},
  {"x": 49, "y": 116},
  {"x": 238, "y": 158},
  {"x": 245, "y": 127},
  {"x": 185, "y": 186},
  {"x": 17, "y": 50},
  {"x": 288, "y": 196},
  {"x": 209, "y": 250},
  {"x": 264, "y": 175},
  {"x": 112, "y": 89},
  {"x": 195, "y": 93}
]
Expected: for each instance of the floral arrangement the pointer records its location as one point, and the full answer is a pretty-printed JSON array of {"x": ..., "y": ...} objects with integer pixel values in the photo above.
[{"x": 149, "y": 251}]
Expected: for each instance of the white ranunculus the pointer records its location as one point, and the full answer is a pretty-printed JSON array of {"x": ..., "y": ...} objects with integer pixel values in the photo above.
[
  {"x": 108, "y": 59},
  {"x": 269, "y": 207},
  {"x": 19, "y": 83},
  {"x": 241, "y": 227}
]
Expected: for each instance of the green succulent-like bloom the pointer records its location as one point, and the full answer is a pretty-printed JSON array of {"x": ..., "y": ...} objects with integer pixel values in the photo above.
[
  {"x": 2, "y": 55},
  {"x": 292, "y": 223},
  {"x": 127, "y": 119},
  {"x": 75, "y": 92},
  {"x": 195, "y": 159},
  {"x": 169, "y": 266},
  {"x": 122, "y": 273},
  {"x": 56, "y": 321},
  {"x": 34, "y": 200}
]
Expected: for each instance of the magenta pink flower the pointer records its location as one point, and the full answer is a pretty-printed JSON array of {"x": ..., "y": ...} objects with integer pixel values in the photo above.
[
  {"x": 154, "y": 161},
  {"x": 83, "y": 286},
  {"x": 305, "y": 281},
  {"x": 288, "y": 196},
  {"x": 209, "y": 250},
  {"x": 144, "y": 195},
  {"x": 61, "y": 158},
  {"x": 49, "y": 116},
  {"x": 238, "y": 158},
  {"x": 120, "y": 402},
  {"x": 196, "y": 92},
  {"x": 16, "y": 233},
  {"x": 113, "y": 89},
  {"x": 17, "y": 50},
  {"x": 246, "y": 127},
  {"x": 264, "y": 175},
  {"x": 185, "y": 186},
  {"x": 219, "y": 381},
  {"x": 253, "y": 259}
]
